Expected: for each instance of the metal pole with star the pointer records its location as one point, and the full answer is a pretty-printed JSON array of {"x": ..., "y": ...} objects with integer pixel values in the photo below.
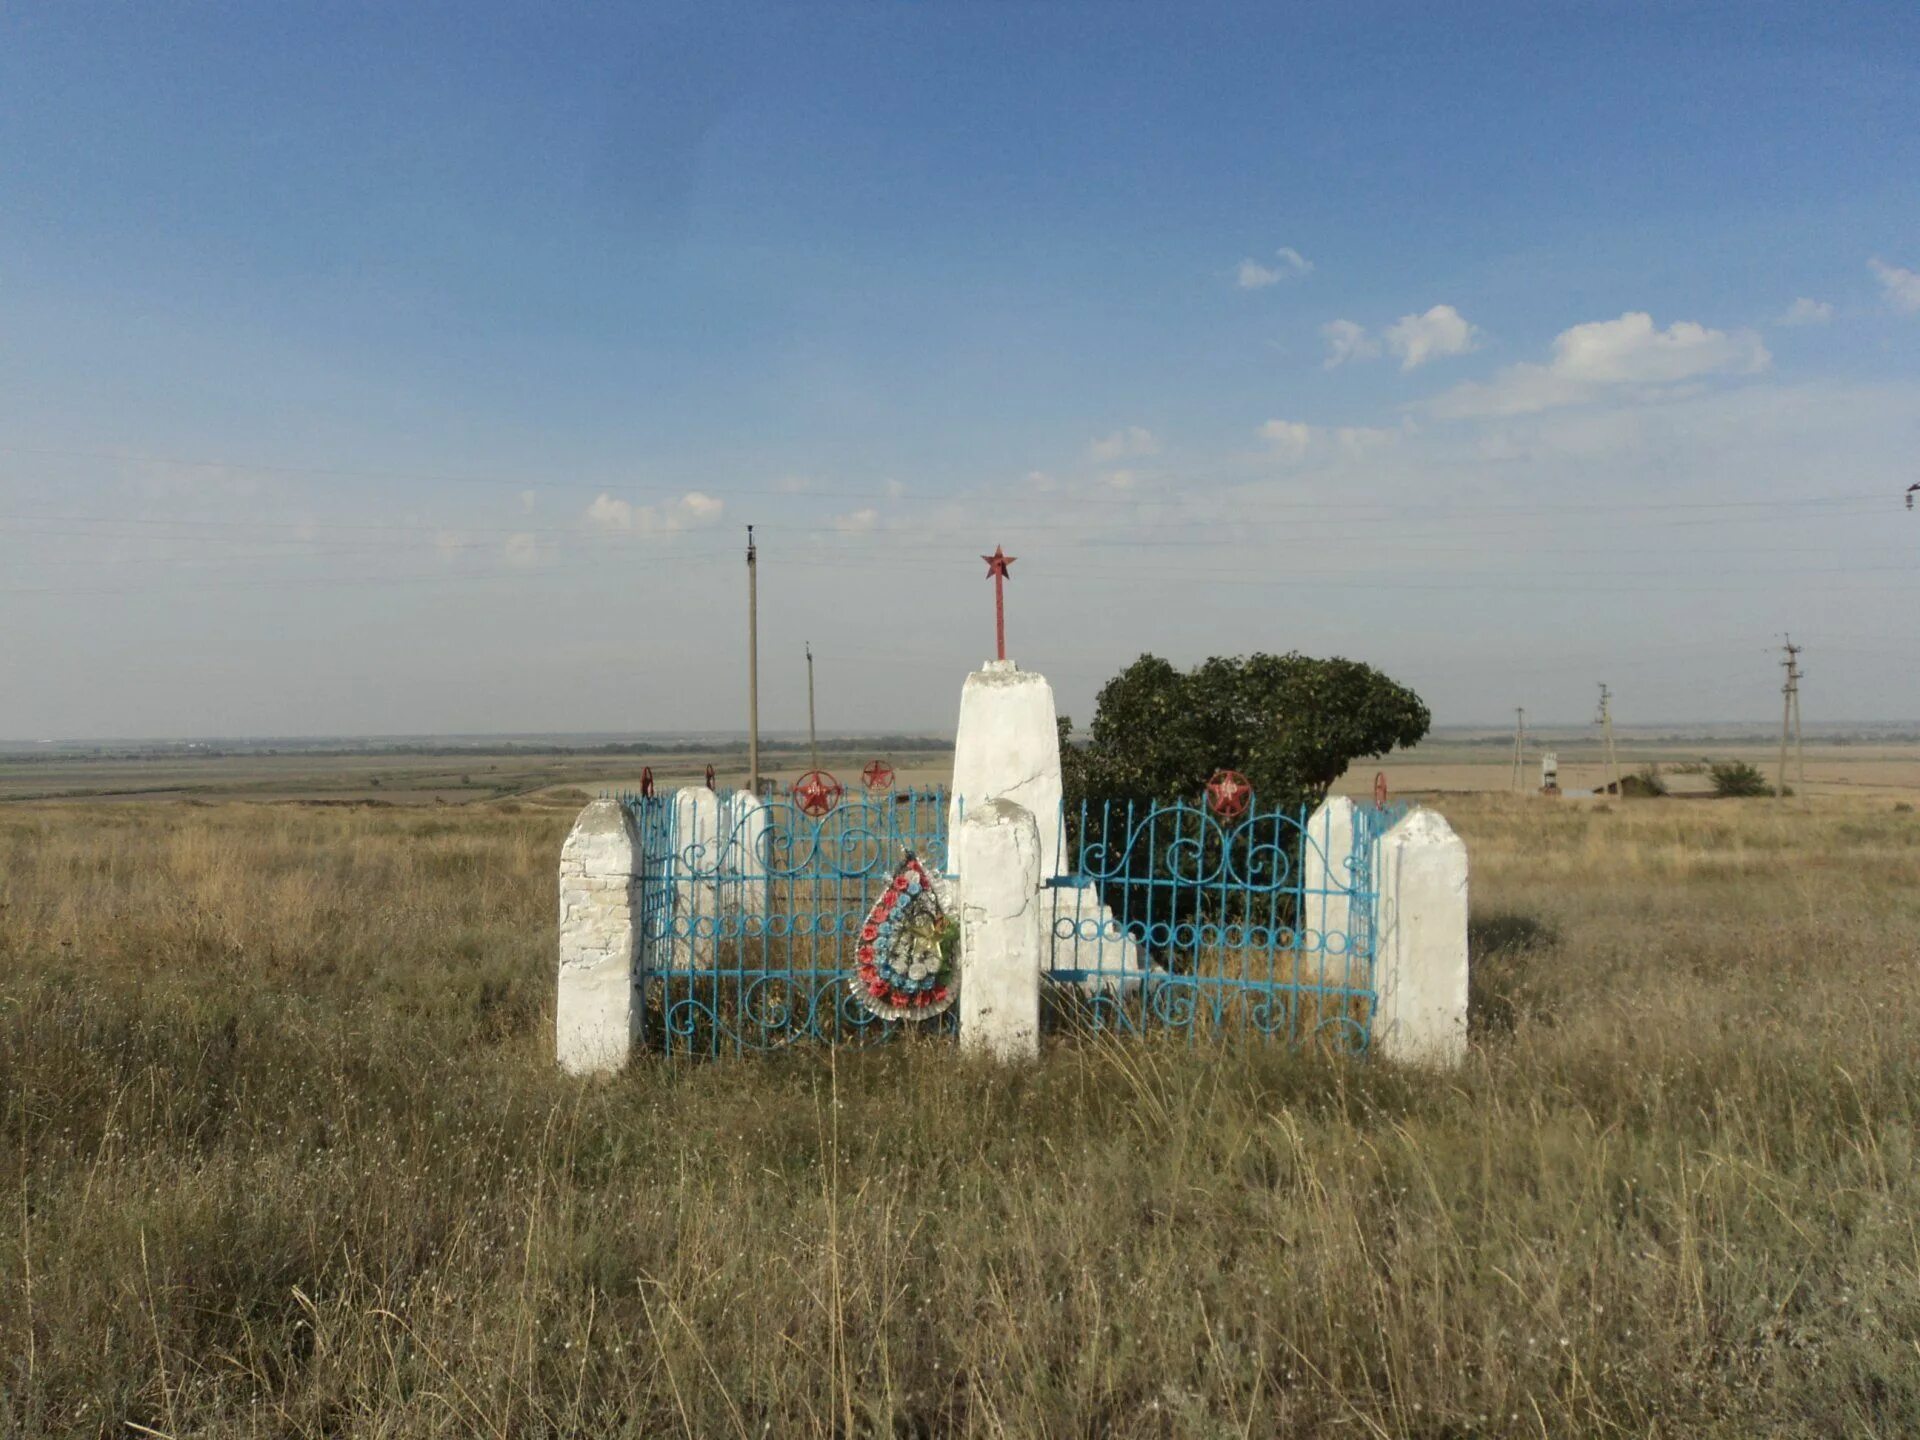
[{"x": 997, "y": 572}]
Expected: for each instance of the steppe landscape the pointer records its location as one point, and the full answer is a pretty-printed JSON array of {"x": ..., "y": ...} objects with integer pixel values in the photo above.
[{"x": 285, "y": 1152}]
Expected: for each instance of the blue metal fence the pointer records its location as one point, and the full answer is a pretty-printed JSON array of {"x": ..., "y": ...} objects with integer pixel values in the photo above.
[
  {"x": 1169, "y": 917},
  {"x": 751, "y": 912},
  {"x": 1164, "y": 917}
]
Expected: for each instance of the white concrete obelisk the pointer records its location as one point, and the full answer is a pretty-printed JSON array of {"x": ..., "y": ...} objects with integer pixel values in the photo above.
[{"x": 1007, "y": 746}]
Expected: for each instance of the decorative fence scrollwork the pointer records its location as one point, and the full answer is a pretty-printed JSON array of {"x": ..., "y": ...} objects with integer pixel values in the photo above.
[
  {"x": 1216, "y": 918},
  {"x": 1200, "y": 920}
]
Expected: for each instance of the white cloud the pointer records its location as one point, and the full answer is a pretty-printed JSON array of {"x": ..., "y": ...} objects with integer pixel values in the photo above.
[
  {"x": 1347, "y": 341},
  {"x": 1806, "y": 312},
  {"x": 1252, "y": 275},
  {"x": 522, "y": 550},
  {"x": 1902, "y": 287},
  {"x": 1289, "y": 438},
  {"x": 527, "y": 499},
  {"x": 1255, "y": 276},
  {"x": 618, "y": 516},
  {"x": 1121, "y": 479},
  {"x": 1602, "y": 356},
  {"x": 1293, "y": 440},
  {"x": 894, "y": 488},
  {"x": 1356, "y": 440},
  {"x": 1293, "y": 260},
  {"x": 1041, "y": 481},
  {"x": 1443, "y": 330},
  {"x": 859, "y": 522},
  {"x": 610, "y": 514},
  {"x": 1125, "y": 444}
]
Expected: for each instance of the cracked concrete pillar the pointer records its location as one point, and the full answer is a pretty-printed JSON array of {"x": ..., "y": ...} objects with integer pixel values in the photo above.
[
  {"x": 998, "y": 847},
  {"x": 597, "y": 1011},
  {"x": 1007, "y": 747},
  {"x": 1420, "y": 963}
]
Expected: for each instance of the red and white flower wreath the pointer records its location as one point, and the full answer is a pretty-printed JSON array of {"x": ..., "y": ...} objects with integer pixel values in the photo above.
[{"x": 909, "y": 955}]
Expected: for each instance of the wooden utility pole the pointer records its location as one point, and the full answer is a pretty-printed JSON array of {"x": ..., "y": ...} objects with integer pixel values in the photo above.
[
  {"x": 1605, "y": 721},
  {"x": 813, "y": 743},
  {"x": 753, "y": 666},
  {"x": 1790, "y": 720},
  {"x": 1519, "y": 744}
]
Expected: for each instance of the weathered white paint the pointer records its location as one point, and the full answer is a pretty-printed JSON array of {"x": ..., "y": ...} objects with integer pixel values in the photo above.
[
  {"x": 744, "y": 856},
  {"x": 1086, "y": 935},
  {"x": 696, "y": 874},
  {"x": 1420, "y": 967},
  {"x": 1007, "y": 747},
  {"x": 1326, "y": 867},
  {"x": 999, "y": 851},
  {"x": 596, "y": 1013}
]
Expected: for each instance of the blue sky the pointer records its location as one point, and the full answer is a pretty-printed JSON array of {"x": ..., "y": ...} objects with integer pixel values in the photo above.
[{"x": 382, "y": 369}]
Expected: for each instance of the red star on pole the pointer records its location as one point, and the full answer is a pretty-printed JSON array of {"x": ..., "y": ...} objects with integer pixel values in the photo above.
[
  {"x": 998, "y": 572},
  {"x": 1228, "y": 792}
]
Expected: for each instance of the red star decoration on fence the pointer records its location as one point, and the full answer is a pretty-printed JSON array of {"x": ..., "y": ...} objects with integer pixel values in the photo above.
[
  {"x": 817, "y": 792},
  {"x": 878, "y": 775},
  {"x": 1229, "y": 794}
]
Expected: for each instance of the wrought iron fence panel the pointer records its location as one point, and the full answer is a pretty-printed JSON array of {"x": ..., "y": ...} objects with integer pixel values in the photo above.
[
  {"x": 752, "y": 912},
  {"x": 1169, "y": 917}
]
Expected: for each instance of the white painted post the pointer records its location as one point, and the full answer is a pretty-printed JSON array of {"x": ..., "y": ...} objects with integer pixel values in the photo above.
[
  {"x": 597, "y": 1012},
  {"x": 697, "y": 844},
  {"x": 744, "y": 856},
  {"x": 1420, "y": 964},
  {"x": 1007, "y": 747},
  {"x": 1326, "y": 884},
  {"x": 999, "y": 848}
]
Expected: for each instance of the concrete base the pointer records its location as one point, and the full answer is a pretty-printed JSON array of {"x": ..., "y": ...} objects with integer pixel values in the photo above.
[
  {"x": 998, "y": 846},
  {"x": 1007, "y": 747},
  {"x": 1420, "y": 968},
  {"x": 596, "y": 1011}
]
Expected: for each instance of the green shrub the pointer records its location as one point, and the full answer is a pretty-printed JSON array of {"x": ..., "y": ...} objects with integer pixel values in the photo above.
[
  {"x": 1736, "y": 779},
  {"x": 1647, "y": 783}
]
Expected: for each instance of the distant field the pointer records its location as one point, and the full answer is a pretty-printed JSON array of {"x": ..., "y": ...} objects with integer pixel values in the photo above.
[
  {"x": 452, "y": 778},
  {"x": 1447, "y": 765},
  {"x": 1440, "y": 767}
]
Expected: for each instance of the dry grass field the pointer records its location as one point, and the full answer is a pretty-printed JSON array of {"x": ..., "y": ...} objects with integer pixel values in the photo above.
[{"x": 282, "y": 1152}]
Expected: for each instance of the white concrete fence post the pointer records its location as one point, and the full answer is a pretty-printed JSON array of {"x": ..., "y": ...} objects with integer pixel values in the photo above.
[
  {"x": 999, "y": 849},
  {"x": 597, "y": 1012},
  {"x": 1326, "y": 885},
  {"x": 1420, "y": 956}
]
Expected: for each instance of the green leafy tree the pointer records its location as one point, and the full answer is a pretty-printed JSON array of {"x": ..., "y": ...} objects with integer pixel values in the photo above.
[{"x": 1291, "y": 724}]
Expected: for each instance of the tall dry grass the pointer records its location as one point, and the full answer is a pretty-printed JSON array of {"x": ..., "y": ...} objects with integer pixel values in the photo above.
[{"x": 282, "y": 1153}]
